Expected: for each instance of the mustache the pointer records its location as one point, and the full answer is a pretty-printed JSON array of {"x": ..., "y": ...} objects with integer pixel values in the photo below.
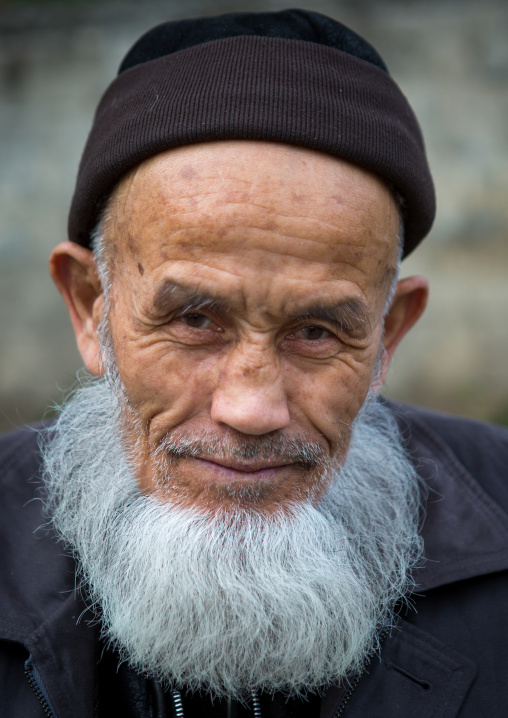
[{"x": 277, "y": 447}]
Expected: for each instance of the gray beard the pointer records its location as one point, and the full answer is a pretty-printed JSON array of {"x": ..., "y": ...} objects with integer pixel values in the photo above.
[{"x": 240, "y": 600}]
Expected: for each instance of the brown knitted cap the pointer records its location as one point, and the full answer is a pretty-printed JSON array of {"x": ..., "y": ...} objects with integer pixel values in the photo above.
[{"x": 294, "y": 91}]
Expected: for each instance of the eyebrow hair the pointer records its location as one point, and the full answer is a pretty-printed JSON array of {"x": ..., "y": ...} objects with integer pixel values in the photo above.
[
  {"x": 171, "y": 296},
  {"x": 350, "y": 316}
]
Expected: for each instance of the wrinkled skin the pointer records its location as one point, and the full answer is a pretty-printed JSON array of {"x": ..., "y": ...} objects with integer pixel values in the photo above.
[{"x": 280, "y": 260}]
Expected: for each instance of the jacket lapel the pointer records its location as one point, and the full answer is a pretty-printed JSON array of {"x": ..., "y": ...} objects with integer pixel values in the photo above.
[
  {"x": 416, "y": 676},
  {"x": 465, "y": 532},
  {"x": 63, "y": 649}
]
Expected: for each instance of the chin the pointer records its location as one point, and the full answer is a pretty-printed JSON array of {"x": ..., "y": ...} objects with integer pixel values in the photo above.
[{"x": 258, "y": 496}]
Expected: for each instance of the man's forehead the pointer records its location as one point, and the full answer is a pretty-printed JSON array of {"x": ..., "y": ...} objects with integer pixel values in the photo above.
[
  {"x": 256, "y": 161},
  {"x": 249, "y": 217},
  {"x": 234, "y": 172}
]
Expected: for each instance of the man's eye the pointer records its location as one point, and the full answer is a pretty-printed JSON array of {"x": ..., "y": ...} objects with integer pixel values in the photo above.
[
  {"x": 313, "y": 333},
  {"x": 197, "y": 321}
]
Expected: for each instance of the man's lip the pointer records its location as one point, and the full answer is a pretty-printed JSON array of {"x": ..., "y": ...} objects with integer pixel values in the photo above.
[{"x": 247, "y": 467}]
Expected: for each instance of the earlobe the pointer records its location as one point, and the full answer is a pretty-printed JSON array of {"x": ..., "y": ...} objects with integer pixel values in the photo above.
[
  {"x": 73, "y": 270},
  {"x": 407, "y": 307}
]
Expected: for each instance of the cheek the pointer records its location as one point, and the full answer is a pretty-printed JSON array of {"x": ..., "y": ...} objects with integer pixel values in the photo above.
[
  {"x": 164, "y": 386},
  {"x": 330, "y": 399}
]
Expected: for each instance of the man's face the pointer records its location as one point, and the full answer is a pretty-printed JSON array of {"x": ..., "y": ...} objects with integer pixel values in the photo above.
[
  {"x": 248, "y": 287},
  {"x": 248, "y": 283}
]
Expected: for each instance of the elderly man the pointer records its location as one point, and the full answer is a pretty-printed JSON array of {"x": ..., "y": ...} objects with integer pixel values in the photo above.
[{"x": 248, "y": 529}]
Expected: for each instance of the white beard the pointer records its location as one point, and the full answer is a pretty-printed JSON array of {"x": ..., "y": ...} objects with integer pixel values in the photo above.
[{"x": 237, "y": 601}]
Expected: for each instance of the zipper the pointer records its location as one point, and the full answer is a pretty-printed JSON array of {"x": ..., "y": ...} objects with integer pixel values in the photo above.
[
  {"x": 36, "y": 684},
  {"x": 256, "y": 705},
  {"x": 352, "y": 688},
  {"x": 178, "y": 705}
]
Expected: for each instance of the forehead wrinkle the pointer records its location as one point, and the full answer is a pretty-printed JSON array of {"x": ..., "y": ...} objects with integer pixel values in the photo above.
[
  {"x": 276, "y": 214},
  {"x": 270, "y": 208},
  {"x": 231, "y": 229},
  {"x": 309, "y": 228}
]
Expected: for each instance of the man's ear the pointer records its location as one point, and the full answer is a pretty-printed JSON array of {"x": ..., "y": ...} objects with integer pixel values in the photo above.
[
  {"x": 73, "y": 270},
  {"x": 407, "y": 307}
]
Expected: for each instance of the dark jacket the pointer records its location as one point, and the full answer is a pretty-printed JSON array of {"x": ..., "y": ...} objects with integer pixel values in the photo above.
[{"x": 447, "y": 657}]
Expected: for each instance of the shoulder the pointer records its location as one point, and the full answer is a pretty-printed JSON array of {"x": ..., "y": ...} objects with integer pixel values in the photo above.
[
  {"x": 20, "y": 462},
  {"x": 19, "y": 447},
  {"x": 482, "y": 448}
]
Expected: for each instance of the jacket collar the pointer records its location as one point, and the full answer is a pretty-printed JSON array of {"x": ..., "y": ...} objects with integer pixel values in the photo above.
[{"x": 465, "y": 532}]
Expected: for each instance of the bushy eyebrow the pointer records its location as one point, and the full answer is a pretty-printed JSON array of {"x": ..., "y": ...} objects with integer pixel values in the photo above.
[
  {"x": 172, "y": 296},
  {"x": 350, "y": 317}
]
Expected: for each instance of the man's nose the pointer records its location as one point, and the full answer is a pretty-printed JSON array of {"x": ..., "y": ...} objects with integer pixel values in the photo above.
[{"x": 250, "y": 396}]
